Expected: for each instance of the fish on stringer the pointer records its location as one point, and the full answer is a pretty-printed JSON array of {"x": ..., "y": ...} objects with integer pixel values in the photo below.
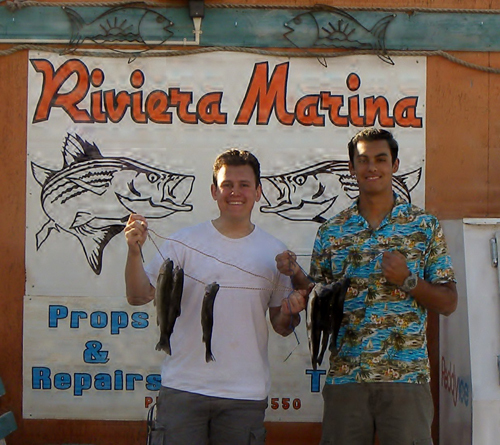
[
  {"x": 207, "y": 318},
  {"x": 324, "y": 315},
  {"x": 168, "y": 299}
]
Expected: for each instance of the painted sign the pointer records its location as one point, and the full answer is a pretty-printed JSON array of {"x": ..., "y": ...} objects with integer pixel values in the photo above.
[{"x": 107, "y": 138}]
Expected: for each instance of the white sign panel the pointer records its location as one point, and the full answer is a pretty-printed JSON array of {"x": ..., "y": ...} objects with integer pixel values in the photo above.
[{"x": 106, "y": 138}]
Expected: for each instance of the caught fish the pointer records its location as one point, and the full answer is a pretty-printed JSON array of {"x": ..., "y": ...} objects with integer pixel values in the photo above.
[
  {"x": 324, "y": 314},
  {"x": 130, "y": 23},
  {"x": 309, "y": 193},
  {"x": 334, "y": 28},
  {"x": 92, "y": 196},
  {"x": 163, "y": 292},
  {"x": 207, "y": 318}
]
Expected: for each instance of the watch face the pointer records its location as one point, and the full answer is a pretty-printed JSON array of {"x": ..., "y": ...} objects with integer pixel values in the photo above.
[{"x": 410, "y": 282}]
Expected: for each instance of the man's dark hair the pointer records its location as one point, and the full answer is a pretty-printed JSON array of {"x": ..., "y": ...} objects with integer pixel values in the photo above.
[
  {"x": 373, "y": 134},
  {"x": 236, "y": 157}
]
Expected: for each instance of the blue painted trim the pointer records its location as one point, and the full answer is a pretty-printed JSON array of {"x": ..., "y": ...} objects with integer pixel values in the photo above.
[{"x": 264, "y": 28}]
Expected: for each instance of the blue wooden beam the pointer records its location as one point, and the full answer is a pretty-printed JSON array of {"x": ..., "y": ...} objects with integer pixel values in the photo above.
[{"x": 256, "y": 28}]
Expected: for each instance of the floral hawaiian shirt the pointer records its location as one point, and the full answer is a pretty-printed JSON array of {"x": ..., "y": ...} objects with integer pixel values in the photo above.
[{"x": 383, "y": 331}]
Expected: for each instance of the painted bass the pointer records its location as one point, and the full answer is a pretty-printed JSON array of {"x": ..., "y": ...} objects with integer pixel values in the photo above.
[{"x": 207, "y": 318}]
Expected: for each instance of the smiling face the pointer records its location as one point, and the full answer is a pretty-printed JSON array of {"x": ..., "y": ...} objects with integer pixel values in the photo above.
[
  {"x": 373, "y": 167},
  {"x": 236, "y": 192}
]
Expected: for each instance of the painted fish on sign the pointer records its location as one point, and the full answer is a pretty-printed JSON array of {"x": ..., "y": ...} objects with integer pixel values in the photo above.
[
  {"x": 307, "y": 194},
  {"x": 92, "y": 196}
]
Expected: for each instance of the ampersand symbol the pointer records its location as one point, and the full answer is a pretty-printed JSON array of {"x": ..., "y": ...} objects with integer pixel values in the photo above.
[{"x": 93, "y": 353}]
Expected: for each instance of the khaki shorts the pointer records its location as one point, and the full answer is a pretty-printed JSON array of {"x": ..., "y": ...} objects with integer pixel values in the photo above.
[
  {"x": 184, "y": 418},
  {"x": 400, "y": 414}
]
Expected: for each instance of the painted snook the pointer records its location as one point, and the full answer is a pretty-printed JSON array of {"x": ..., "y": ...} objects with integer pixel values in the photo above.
[
  {"x": 324, "y": 313},
  {"x": 168, "y": 297},
  {"x": 207, "y": 318}
]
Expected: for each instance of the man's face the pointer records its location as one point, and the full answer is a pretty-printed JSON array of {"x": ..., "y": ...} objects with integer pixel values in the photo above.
[
  {"x": 373, "y": 167},
  {"x": 236, "y": 191}
]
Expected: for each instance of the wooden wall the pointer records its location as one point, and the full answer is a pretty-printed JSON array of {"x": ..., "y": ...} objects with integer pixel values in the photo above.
[{"x": 462, "y": 180}]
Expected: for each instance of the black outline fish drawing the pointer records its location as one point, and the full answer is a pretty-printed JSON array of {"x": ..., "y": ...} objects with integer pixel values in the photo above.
[
  {"x": 330, "y": 27},
  {"x": 92, "y": 196},
  {"x": 120, "y": 24},
  {"x": 308, "y": 193}
]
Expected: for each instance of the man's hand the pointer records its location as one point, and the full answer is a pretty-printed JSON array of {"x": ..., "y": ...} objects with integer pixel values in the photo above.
[
  {"x": 394, "y": 267},
  {"x": 136, "y": 233}
]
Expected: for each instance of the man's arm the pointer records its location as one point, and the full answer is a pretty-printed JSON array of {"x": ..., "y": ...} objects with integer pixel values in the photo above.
[
  {"x": 440, "y": 298},
  {"x": 286, "y": 317},
  {"x": 138, "y": 288}
]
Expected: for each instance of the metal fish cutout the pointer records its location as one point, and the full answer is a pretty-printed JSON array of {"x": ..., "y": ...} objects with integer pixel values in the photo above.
[
  {"x": 307, "y": 194},
  {"x": 207, "y": 318},
  {"x": 324, "y": 312},
  {"x": 130, "y": 23},
  {"x": 92, "y": 196},
  {"x": 163, "y": 293},
  {"x": 331, "y": 27}
]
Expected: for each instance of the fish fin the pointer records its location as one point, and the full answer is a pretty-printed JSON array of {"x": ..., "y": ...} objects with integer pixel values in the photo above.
[
  {"x": 164, "y": 345},
  {"x": 378, "y": 31},
  {"x": 44, "y": 232},
  {"x": 94, "y": 240},
  {"x": 405, "y": 183},
  {"x": 77, "y": 23},
  {"x": 209, "y": 357},
  {"x": 41, "y": 174},
  {"x": 75, "y": 149}
]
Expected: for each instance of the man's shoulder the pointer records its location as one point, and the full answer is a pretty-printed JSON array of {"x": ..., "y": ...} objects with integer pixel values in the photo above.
[{"x": 266, "y": 237}]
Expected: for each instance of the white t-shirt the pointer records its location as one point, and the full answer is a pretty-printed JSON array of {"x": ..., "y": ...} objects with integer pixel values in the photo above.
[{"x": 249, "y": 281}]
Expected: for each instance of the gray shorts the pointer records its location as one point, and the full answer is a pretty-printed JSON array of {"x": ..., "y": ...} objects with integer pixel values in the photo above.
[
  {"x": 400, "y": 414},
  {"x": 184, "y": 418}
]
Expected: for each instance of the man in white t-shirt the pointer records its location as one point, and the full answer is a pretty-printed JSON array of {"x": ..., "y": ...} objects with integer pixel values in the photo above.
[{"x": 221, "y": 401}]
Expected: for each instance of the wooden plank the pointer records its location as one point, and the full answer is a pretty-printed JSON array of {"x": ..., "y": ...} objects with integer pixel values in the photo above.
[{"x": 264, "y": 28}]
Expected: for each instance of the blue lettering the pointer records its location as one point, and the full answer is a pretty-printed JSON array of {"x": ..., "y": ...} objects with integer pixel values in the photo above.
[
  {"x": 75, "y": 318},
  {"x": 131, "y": 378},
  {"x": 56, "y": 312},
  {"x": 98, "y": 319},
  {"x": 315, "y": 378},
  {"x": 40, "y": 378},
  {"x": 119, "y": 320},
  {"x": 62, "y": 380},
  {"x": 102, "y": 382},
  {"x": 140, "y": 320},
  {"x": 118, "y": 379},
  {"x": 83, "y": 381},
  {"x": 153, "y": 382}
]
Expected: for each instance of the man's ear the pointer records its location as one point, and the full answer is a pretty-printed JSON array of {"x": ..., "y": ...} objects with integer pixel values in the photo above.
[
  {"x": 395, "y": 166},
  {"x": 351, "y": 169},
  {"x": 259, "y": 193},
  {"x": 213, "y": 191}
]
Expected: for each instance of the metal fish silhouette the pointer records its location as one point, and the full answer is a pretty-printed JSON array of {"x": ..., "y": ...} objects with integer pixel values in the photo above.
[
  {"x": 92, "y": 196},
  {"x": 334, "y": 28},
  {"x": 130, "y": 23},
  {"x": 309, "y": 193}
]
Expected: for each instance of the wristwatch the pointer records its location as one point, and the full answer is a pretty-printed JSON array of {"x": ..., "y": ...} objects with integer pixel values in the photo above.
[{"x": 410, "y": 282}]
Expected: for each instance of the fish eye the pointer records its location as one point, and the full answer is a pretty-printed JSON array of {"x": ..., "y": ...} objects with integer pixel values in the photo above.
[
  {"x": 152, "y": 177},
  {"x": 160, "y": 19},
  {"x": 300, "y": 180},
  {"x": 297, "y": 20}
]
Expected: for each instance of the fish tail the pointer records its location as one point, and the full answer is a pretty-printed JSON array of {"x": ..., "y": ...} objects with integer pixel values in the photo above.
[
  {"x": 209, "y": 357},
  {"x": 164, "y": 345},
  {"x": 379, "y": 30},
  {"x": 77, "y": 23}
]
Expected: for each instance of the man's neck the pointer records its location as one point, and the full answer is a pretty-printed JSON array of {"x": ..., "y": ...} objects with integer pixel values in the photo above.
[
  {"x": 374, "y": 208},
  {"x": 233, "y": 229}
]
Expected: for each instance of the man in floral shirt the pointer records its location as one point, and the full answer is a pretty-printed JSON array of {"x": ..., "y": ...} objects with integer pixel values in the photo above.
[{"x": 396, "y": 258}]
